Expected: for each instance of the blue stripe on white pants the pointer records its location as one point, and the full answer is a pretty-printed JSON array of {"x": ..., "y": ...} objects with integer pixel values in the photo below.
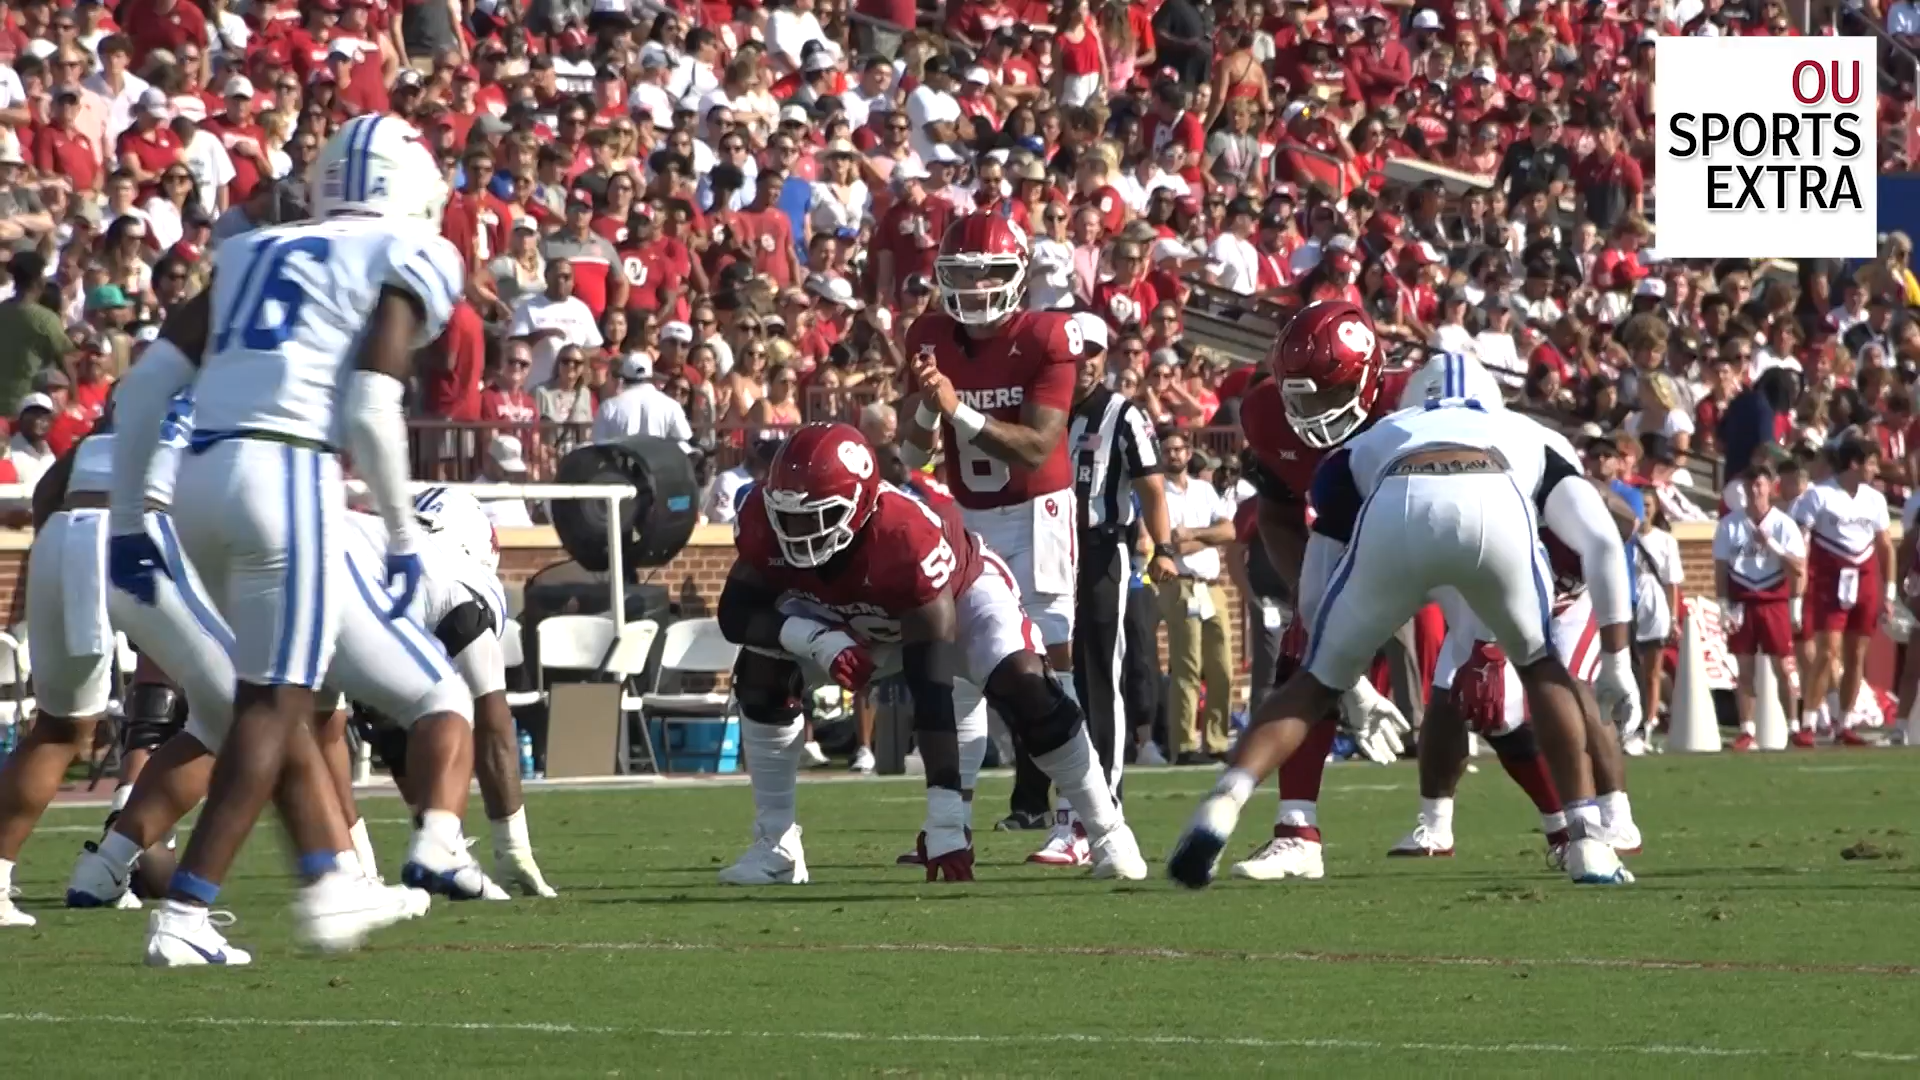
[
  {"x": 187, "y": 585},
  {"x": 1543, "y": 592},
  {"x": 380, "y": 604},
  {"x": 281, "y": 672},
  {"x": 1341, "y": 573},
  {"x": 318, "y": 530}
]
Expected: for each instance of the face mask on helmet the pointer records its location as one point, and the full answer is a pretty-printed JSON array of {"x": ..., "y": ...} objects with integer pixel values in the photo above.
[
  {"x": 1323, "y": 418},
  {"x": 979, "y": 290},
  {"x": 810, "y": 530}
]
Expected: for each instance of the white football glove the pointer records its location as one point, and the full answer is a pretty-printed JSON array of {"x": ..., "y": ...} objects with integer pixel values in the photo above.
[
  {"x": 1376, "y": 723},
  {"x": 1616, "y": 692},
  {"x": 834, "y": 651}
]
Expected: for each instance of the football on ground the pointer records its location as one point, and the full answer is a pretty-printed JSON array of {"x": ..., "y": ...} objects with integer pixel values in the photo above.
[{"x": 1775, "y": 930}]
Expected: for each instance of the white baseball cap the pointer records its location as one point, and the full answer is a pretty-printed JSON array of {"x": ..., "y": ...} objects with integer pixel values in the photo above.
[
  {"x": 239, "y": 86},
  {"x": 506, "y": 452},
  {"x": 1092, "y": 327},
  {"x": 35, "y": 401},
  {"x": 637, "y": 366},
  {"x": 677, "y": 331},
  {"x": 1426, "y": 19},
  {"x": 153, "y": 102}
]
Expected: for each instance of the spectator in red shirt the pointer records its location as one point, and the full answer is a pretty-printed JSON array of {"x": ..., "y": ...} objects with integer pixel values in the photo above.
[
  {"x": 763, "y": 234},
  {"x": 451, "y": 389},
  {"x": 506, "y": 404},
  {"x": 1170, "y": 122},
  {"x": 71, "y": 421},
  {"x": 244, "y": 140},
  {"x": 1610, "y": 181},
  {"x": 475, "y": 220},
  {"x": 162, "y": 24},
  {"x": 1093, "y": 186},
  {"x": 149, "y": 146},
  {"x": 1125, "y": 299},
  {"x": 311, "y": 41},
  {"x": 61, "y": 150},
  {"x": 1379, "y": 64},
  {"x": 909, "y": 234}
]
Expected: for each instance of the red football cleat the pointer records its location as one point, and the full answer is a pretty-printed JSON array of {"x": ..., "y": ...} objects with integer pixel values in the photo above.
[
  {"x": 1802, "y": 739},
  {"x": 1745, "y": 742},
  {"x": 1846, "y": 736},
  {"x": 955, "y": 865}
]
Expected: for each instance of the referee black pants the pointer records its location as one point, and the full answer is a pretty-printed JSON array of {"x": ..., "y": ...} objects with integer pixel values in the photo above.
[{"x": 1099, "y": 642}]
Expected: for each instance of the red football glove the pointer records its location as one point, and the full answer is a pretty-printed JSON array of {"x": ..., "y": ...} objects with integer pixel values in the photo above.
[
  {"x": 1480, "y": 689},
  {"x": 833, "y": 650}
]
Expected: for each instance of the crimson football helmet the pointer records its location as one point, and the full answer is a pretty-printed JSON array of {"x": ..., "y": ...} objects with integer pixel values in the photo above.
[
  {"x": 1328, "y": 363},
  {"x": 982, "y": 268},
  {"x": 820, "y": 491}
]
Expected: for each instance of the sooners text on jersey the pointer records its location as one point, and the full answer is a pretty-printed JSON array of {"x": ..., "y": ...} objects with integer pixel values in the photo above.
[
  {"x": 908, "y": 553},
  {"x": 1033, "y": 358}
]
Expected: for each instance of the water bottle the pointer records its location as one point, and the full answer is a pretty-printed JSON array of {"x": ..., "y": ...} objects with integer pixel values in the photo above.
[
  {"x": 526, "y": 755},
  {"x": 9, "y": 735}
]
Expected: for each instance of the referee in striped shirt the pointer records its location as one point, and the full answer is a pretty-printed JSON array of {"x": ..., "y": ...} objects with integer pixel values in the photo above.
[{"x": 1115, "y": 456}]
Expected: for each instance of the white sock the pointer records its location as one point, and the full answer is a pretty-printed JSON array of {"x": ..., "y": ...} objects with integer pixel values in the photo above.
[
  {"x": 363, "y": 847},
  {"x": 1553, "y": 823},
  {"x": 1583, "y": 819},
  {"x": 948, "y": 814},
  {"x": 1437, "y": 814},
  {"x": 6, "y": 877},
  {"x": 119, "y": 850},
  {"x": 1615, "y": 807},
  {"x": 1747, "y": 727},
  {"x": 1808, "y": 720},
  {"x": 120, "y": 796},
  {"x": 1237, "y": 785},
  {"x": 348, "y": 863},
  {"x": 1076, "y": 775},
  {"x": 444, "y": 826},
  {"x": 773, "y": 768},
  {"x": 970, "y": 706},
  {"x": 510, "y": 834},
  {"x": 1298, "y": 813}
]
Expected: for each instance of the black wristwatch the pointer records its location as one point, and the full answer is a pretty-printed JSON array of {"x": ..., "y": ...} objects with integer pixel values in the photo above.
[{"x": 1163, "y": 551}]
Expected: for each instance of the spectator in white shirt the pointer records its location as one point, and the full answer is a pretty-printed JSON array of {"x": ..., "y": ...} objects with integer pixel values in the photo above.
[
  {"x": 790, "y": 26},
  {"x": 1199, "y": 642},
  {"x": 1050, "y": 271},
  {"x": 553, "y": 319},
  {"x": 1233, "y": 262},
  {"x": 932, "y": 109},
  {"x": 1495, "y": 348},
  {"x": 506, "y": 463},
  {"x": 642, "y": 408},
  {"x": 731, "y": 487}
]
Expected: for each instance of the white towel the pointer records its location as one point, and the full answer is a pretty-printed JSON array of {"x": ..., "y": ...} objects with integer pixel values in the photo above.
[{"x": 83, "y": 575}]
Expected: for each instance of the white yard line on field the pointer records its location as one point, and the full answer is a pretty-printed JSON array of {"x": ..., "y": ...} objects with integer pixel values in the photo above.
[{"x": 968, "y": 1038}]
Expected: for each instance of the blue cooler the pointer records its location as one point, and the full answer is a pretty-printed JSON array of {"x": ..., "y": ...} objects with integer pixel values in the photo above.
[{"x": 696, "y": 746}]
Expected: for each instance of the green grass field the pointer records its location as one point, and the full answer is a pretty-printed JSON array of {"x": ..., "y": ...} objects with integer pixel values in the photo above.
[{"x": 1750, "y": 946}]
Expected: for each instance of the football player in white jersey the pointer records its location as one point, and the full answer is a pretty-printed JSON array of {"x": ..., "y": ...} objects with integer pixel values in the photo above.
[
  {"x": 74, "y": 614},
  {"x": 465, "y": 604},
  {"x": 300, "y": 347},
  {"x": 1449, "y": 495},
  {"x": 462, "y": 601}
]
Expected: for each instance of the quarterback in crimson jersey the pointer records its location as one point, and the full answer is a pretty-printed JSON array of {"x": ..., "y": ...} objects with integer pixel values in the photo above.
[
  {"x": 847, "y": 575},
  {"x": 996, "y": 381}
]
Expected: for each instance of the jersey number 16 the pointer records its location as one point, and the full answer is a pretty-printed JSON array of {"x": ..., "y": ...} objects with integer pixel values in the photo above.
[{"x": 265, "y": 279}]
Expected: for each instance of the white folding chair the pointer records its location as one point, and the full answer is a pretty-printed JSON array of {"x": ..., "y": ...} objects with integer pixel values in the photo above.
[
  {"x": 592, "y": 645},
  {"x": 691, "y": 647}
]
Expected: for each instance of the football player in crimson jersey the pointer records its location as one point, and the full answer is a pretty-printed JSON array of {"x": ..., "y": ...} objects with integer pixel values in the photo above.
[
  {"x": 996, "y": 381},
  {"x": 841, "y": 572}
]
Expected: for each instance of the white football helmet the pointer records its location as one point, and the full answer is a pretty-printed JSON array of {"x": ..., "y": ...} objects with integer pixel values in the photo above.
[
  {"x": 454, "y": 518},
  {"x": 378, "y": 165},
  {"x": 1452, "y": 375}
]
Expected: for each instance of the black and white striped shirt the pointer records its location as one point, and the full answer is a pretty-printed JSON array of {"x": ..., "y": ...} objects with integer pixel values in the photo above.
[{"x": 1113, "y": 444}]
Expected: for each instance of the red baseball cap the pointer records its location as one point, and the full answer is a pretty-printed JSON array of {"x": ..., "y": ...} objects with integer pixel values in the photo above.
[
  {"x": 573, "y": 38},
  {"x": 467, "y": 72}
]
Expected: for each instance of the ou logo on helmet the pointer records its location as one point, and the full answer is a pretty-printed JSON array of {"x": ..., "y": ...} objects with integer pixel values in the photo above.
[
  {"x": 858, "y": 459},
  {"x": 1356, "y": 336}
]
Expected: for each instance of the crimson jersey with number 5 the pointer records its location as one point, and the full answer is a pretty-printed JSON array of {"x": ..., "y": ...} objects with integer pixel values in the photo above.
[
  {"x": 1033, "y": 357},
  {"x": 907, "y": 554}
]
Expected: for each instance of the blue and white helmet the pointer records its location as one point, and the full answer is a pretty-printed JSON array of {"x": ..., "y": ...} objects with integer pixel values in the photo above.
[
  {"x": 378, "y": 165},
  {"x": 1454, "y": 376},
  {"x": 454, "y": 518}
]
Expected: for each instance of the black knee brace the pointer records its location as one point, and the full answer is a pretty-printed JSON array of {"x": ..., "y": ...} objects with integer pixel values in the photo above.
[
  {"x": 155, "y": 712},
  {"x": 1045, "y": 719},
  {"x": 767, "y": 705},
  {"x": 1516, "y": 745}
]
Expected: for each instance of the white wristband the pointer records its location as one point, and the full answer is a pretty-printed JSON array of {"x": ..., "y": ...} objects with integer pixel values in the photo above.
[
  {"x": 968, "y": 422},
  {"x": 927, "y": 418}
]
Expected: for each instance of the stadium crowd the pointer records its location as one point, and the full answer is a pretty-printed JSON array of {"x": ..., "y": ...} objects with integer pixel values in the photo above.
[{"x": 714, "y": 221}]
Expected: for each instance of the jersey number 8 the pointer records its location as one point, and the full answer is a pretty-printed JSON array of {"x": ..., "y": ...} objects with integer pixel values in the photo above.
[{"x": 267, "y": 279}]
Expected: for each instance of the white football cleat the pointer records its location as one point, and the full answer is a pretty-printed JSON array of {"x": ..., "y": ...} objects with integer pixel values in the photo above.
[
  {"x": 336, "y": 912},
  {"x": 13, "y": 916},
  {"x": 94, "y": 884},
  {"x": 1117, "y": 857},
  {"x": 772, "y": 860},
  {"x": 1424, "y": 842},
  {"x": 1283, "y": 857},
  {"x": 812, "y": 757},
  {"x": 1622, "y": 836},
  {"x": 863, "y": 762},
  {"x": 518, "y": 869},
  {"x": 1065, "y": 846},
  {"x": 181, "y": 935},
  {"x": 1149, "y": 754},
  {"x": 1196, "y": 855},
  {"x": 1593, "y": 862},
  {"x": 447, "y": 870}
]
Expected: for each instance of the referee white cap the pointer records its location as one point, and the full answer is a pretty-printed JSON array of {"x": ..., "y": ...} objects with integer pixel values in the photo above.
[{"x": 1093, "y": 328}]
